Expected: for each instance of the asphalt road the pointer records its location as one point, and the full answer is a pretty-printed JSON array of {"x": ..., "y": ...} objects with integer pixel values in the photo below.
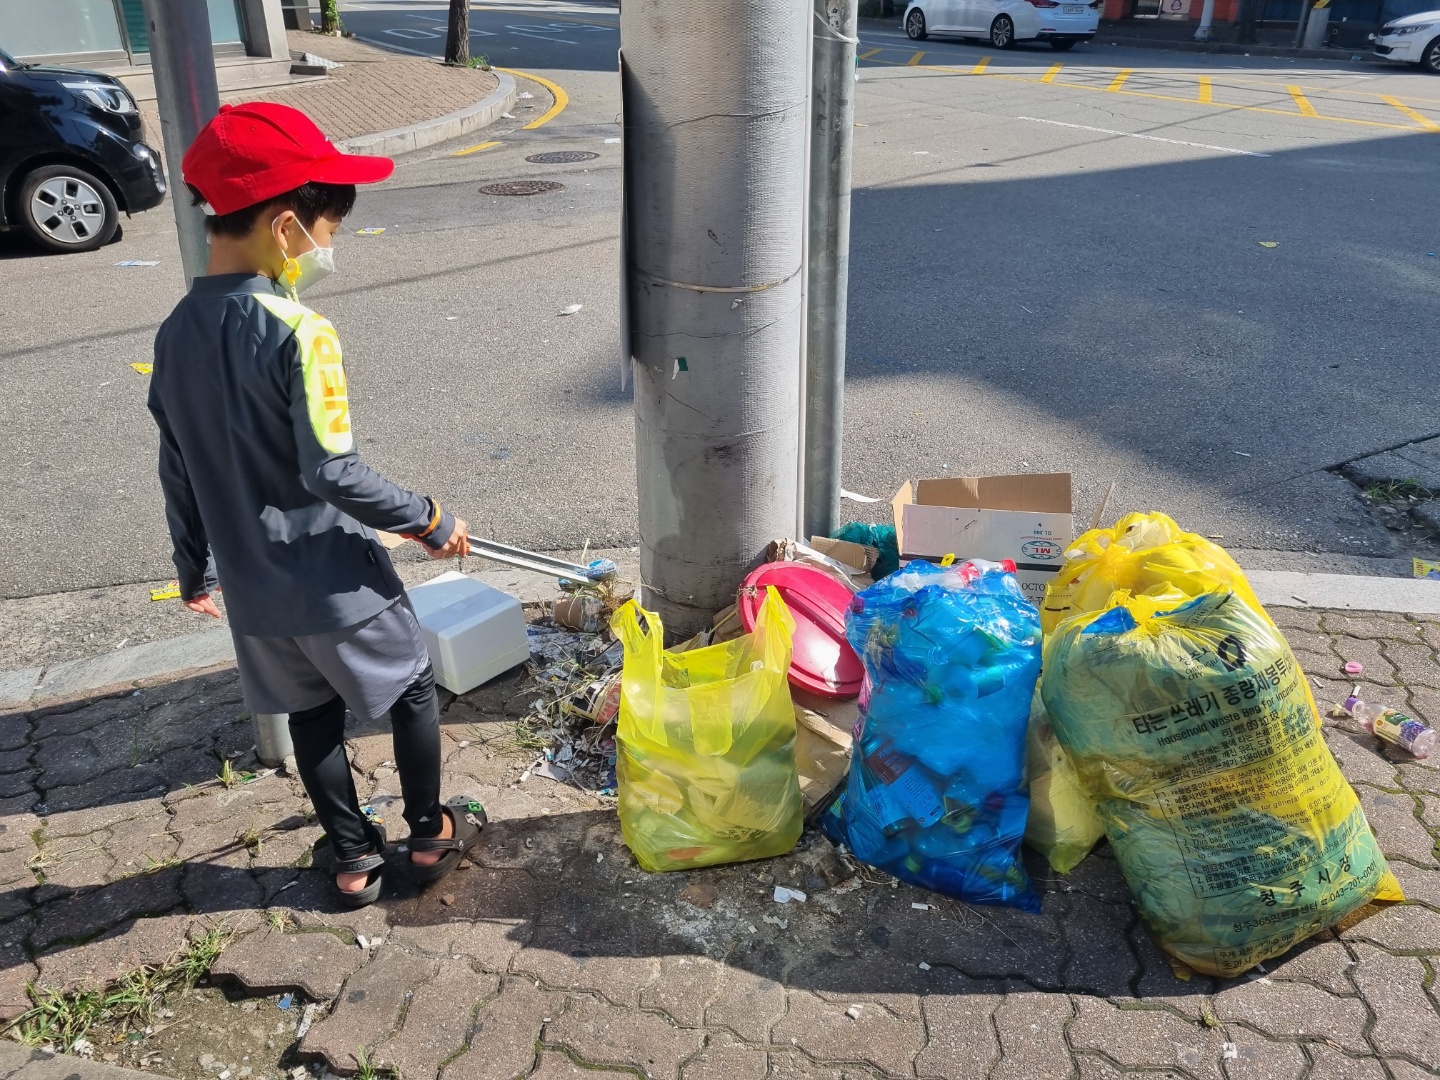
[{"x": 1204, "y": 278}]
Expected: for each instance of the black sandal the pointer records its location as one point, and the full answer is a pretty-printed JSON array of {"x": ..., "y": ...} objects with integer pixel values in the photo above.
[
  {"x": 468, "y": 819},
  {"x": 372, "y": 864}
]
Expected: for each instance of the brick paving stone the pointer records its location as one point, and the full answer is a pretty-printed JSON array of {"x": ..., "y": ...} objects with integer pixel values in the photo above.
[
  {"x": 1420, "y": 886},
  {"x": 685, "y": 986},
  {"x": 960, "y": 1021},
  {"x": 1322, "y": 960},
  {"x": 1360, "y": 760},
  {"x": 76, "y": 862},
  {"x": 1367, "y": 651},
  {"x": 1327, "y": 1063},
  {"x": 560, "y": 962},
  {"x": 491, "y": 943},
  {"x": 556, "y": 1066},
  {"x": 1402, "y": 928},
  {"x": 222, "y": 884},
  {"x": 1422, "y": 703},
  {"x": 1259, "y": 1058},
  {"x": 1419, "y": 777},
  {"x": 602, "y": 1034},
  {"x": 1406, "y": 1022},
  {"x": 437, "y": 1021},
  {"x": 1370, "y": 624},
  {"x": 47, "y": 723},
  {"x": 892, "y": 980},
  {"x": 270, "y": 962},
  {"x": 1430, "y": 811},
  {"x": 502, "y": 1044},
  {"x": 726, "y": 1058},
  {"x": 1293, "y": 1010},
  {"x": 96, "y": 964},
  {"x": 368, "y": 1008},
  {"x": 793, "y": 1065},
  {"x": 1403, "y": 1070},
  {"x": 1293, "y": 618},
  {"x": 1098, "y": 938},
  {"x": 1428, "y": 629},
  {"x": 1031, "y": 1027},
  {"x": 117, "y": 785},
  {"x": 313, "y": 905},
  {"x": 1397, "y": 829},
  {"x": 139, "y": 846},
  {"x": 747, "y": 1003},
  {"x": 96, "y": 816},
  {"x": 1145, "y": 1038},
  {"x": 827, "y": 1032},
  {"x": 16, "y": 969},
  {"x": 18, "y": 783},
  {"x": 1414, "y": 663},
  {"x": 86, "y": 913}
]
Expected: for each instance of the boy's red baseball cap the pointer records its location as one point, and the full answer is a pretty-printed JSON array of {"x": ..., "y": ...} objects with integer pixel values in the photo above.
[{"x": 253, "y": 152}]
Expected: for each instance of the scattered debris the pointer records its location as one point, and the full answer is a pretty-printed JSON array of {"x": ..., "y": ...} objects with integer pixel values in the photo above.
[
  {"x": 699, "y": 894},
  {"x": 1241, "y": 453},
  {"x": 551, "y": 771},
  {"x": 612, "y": 140},
  {"x": 924, "y": 966},
  {"x": 138, "y": 262},
  {"x": 1229, "y": 1052},
  {"x": 1269, "y": 243},
  {"x": 306, "y": 1020},
  {"x": 853, "y": 1012},
  {"x": 170, "y": 591},
  {"x": 143, "y": 368},
  {"x": 1354, "y": 667},
  {"x": 919, "y": 907},
  {"x": 853, "y": 497},
  {"x": 775, "y": 920},
  {"x": 571, "y": 309},
  {"x": 448, "y": 899},
  {"x": 783, "y": 895},
  {"x": 372, "y": 230},
  {"x": 526, "y": 96},
  {"x": 1424, "y": 568},
  {"x": 285, "y": 1002}
]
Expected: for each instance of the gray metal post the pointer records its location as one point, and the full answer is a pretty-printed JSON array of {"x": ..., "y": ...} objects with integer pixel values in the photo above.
[
  {"x": 272, "y": 739},
  {"x": 1300, "y": 26},
  {"x": 831, "y": 137},
  {"x": 184, "y": 65},
  {"x": 716, "y": 113}
]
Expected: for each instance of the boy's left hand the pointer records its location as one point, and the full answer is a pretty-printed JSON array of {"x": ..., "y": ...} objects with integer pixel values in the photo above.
[{"x": 204, "y": 605}]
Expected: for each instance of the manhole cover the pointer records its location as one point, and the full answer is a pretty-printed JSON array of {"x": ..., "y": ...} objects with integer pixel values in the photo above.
[
  {"x": 522, "y": 187},
  {"x": 561, "y": 157}
]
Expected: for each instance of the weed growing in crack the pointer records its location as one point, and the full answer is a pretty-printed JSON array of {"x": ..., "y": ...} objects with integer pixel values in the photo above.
[
  {"x": 279, "y": 920},
  {"x": 61, "y": 1020},
  {"x": 365, "y": 1070},
  {"x": 226, "y": 775},
  {"x": 1409, "y": 488}
]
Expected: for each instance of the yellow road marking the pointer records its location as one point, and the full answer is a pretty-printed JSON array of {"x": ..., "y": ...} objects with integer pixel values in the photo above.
[
  {"x": 1119, "y": 80},
  {"x": 866, "y": 56},
  {"x": 979, "y": 69},
  {"x": 1049, "y": 76},
  {"x": 476, "y": 148},
  {"x": 1204, "y": 96},
  {"x": 1166, "y": 97},
  {"x": 914, "y": 61},
  {"x": 1302, "y": 102},
  {"x": 562, "y": 99},
  {"x": 1424, "y": 121}
]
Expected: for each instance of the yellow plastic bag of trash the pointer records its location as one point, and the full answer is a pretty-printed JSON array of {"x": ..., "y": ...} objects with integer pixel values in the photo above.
[
  {"x": 1063, "y": 825},
  {"x": 1139, "y": 553},
  {"x": 1192, "y": 727},
  {"x": 705, "y": 744}
]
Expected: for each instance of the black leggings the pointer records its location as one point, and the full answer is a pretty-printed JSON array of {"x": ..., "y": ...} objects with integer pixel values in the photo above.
[{"x": 319, "y": 738}]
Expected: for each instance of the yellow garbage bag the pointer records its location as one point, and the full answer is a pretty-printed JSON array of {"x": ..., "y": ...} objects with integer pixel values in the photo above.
[
  {"x": 1139, "y": 553},
  {"x": 705, "y": 744},
  {"x": 1192, "y": 728},
  {"x": 1063, "y": 825}
]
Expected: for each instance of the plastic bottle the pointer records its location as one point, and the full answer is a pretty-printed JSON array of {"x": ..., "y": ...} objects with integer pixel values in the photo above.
[{"x": 1393, "y": 727}]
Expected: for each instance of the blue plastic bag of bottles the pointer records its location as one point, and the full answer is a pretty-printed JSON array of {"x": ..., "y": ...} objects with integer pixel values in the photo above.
[{"x": 936, "y": 793}]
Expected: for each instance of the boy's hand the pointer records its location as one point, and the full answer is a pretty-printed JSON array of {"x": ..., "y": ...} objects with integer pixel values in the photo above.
[
  {"x": 203, "y": 605},
  {"x": 458, "y": 544}
]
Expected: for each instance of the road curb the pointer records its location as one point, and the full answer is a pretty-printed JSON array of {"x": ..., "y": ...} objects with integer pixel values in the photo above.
[
  {"x": 122, "y": 669},
  {"x": 402, "y": 140}
]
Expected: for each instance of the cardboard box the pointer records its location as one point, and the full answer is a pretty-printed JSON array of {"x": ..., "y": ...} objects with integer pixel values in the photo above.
[{"x": 1026, "y": 518}]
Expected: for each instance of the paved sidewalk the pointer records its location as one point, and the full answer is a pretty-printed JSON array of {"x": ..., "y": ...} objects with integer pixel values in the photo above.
[
  {"x": 556, "y": 958},
  {"x": 374, "y": 90}
]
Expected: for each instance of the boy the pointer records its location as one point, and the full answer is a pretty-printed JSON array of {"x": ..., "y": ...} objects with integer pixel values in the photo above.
[{"x": 260, "y": 472}]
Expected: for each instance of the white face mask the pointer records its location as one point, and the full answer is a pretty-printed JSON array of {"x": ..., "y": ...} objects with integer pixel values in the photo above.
[{"x": 310, "y": 266}]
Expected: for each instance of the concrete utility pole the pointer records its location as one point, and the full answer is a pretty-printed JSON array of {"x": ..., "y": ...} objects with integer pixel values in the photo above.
[
  {"x": 183, "y": 61},
  {"x": 1207, "y": 19},
  {"x": 716, "y": 115},
  {"x": 831, "y": 138}
]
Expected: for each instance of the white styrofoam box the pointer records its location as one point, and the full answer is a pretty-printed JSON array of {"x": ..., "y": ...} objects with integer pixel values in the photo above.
[{"x": 472, "y": 632}]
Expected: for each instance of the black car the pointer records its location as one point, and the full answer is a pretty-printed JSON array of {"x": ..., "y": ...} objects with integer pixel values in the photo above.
[{"x": 72, "y": 156}]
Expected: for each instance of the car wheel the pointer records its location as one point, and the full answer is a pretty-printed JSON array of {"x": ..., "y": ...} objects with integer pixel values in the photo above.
[
  {"x": 915, "y": 25},
  {"x": 1062, "y": 44},
  {"x": 1431, "y": 60},
  {"x": 63, "y": 208},
  {"x": 1002, "y": 32}
]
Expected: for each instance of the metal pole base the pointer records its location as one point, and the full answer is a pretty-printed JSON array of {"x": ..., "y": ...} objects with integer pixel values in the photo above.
[{"x": 272, "y": 739}]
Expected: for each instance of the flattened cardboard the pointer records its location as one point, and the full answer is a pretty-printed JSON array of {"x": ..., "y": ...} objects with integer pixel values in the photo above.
[{"x": 1026, "y": 518}]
